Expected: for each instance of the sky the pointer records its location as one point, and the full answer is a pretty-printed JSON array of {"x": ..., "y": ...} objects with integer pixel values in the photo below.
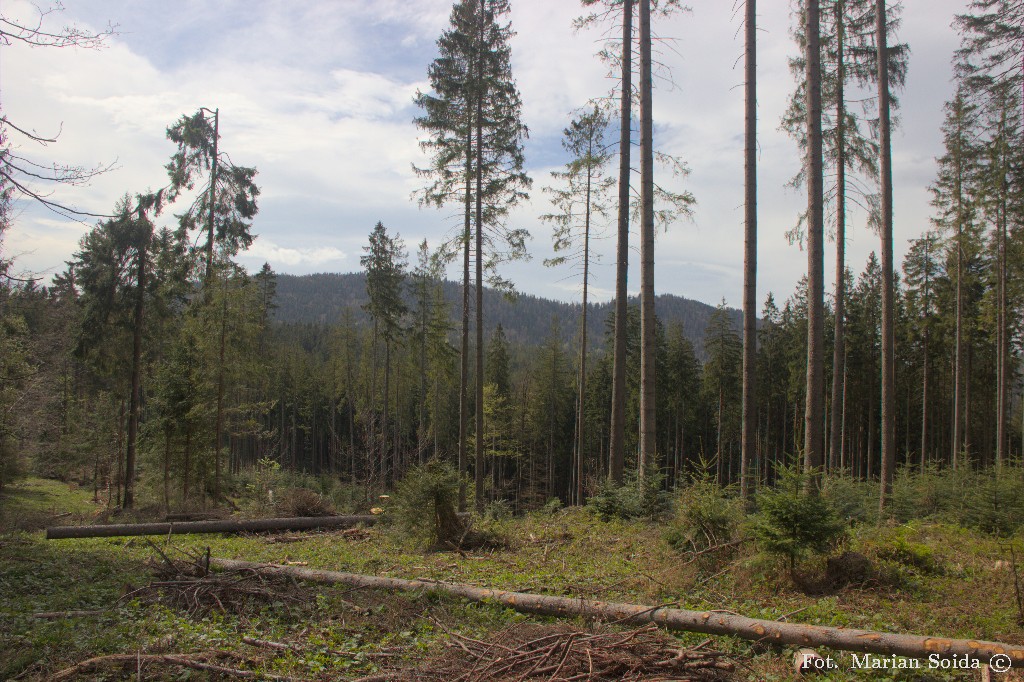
[{"x": 318, "y": 96}]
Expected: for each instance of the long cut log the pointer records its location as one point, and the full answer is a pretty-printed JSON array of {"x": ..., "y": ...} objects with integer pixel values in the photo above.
[
  {"x": 219, "y": 526},
  {"x": 708, "y": 622}
]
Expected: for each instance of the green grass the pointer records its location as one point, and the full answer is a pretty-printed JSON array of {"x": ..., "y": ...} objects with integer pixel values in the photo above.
[{"x": 935, "y": 579}]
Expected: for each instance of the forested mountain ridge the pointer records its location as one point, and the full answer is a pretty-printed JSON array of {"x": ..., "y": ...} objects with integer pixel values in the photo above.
[{"x": 322, "y": 298}]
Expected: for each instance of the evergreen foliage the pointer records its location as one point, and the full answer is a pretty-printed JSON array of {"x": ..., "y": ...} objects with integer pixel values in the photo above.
[
  {"x": 639, "y": 497},
  {"x": 424, "y": 504},
  {"x": 792, "y": 522}
]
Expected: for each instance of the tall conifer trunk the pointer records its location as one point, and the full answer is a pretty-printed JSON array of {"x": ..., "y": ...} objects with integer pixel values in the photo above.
[
  {"x": 813, "y": 409},
  {"x": 135, "y": 399},
  {"x": 213, "y": 199},
  {"x": 580, "y": 437},
  {"x": 464, "y": 354},
  {"x": 1002, "y": 384},
  {"x": 617, "y": 445},
  {"x": 648, "y": 342},
  {"x": 888, "y": 324},
  {"x": 479, "y": 440},
  {"x": 219, "y": 430},
  {"x": 839, "y": 331},
  {"x": 924, "y": 368},
  {"x": 748, "y": 446}
]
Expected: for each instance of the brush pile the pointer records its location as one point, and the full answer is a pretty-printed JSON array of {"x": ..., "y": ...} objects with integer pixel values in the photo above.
[
  {"x": 190, "y": 586},
  {"x": 562, "y": 653}
]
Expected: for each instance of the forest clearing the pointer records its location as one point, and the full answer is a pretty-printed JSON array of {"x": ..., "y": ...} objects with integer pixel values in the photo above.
[
  {"x": 67, "y": 602},
  {"x": 445, "y": 463}
]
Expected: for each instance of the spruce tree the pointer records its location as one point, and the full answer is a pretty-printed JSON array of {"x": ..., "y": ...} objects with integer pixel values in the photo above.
[
  {"x": 583, "y": 199},
  {"x": 385, "y": 262},
  {"x": 474, "y": 115},
  {"x": 227, "y": 197},
  {"x": 953, "y": 199}
]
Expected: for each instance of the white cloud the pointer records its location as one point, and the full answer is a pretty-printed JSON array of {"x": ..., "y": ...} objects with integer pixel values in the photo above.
[
  {"x": 305, "y": 258},
  {"x": 318, "y": 96}
]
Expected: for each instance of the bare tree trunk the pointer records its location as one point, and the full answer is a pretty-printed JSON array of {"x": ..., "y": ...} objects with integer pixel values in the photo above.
[
  {"x": 959, "y": 353},
  {"x": 135, "y": 399},
  {"x": 1002, "y": 327},
  {"x": 617, "y": 439},
  {"x": 749, "y": 417},
  {"x": 580, "y": 431},
  {"x": 839, "y": 331},
  {"x": 813, "y": 423},
  {"x": 218, "y": 435},
  {"x": 464, "y": 352},
  {"x": 888, "y": 303},
  {"x": 708, "y": 622},
  {"x": 213, "y": 197},
  {"x": 387, "y": 456},
  {"x": 479, "y": 440},
  {"x": 648, "y": 342},
  {"x": 186, "y": 464},
  {"x": 167, "y": 470},
  {"x": 924, "y": 368}
]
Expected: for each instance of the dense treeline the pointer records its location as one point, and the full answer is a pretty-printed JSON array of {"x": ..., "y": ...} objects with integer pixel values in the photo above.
[
  {"x": 154, "y": 365},
  {"x": 325, "y": 298}
]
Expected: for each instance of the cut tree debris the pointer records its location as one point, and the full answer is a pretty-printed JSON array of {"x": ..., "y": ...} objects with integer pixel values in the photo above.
[
  {"x": 708, "y": 622},
  {"x": 545, "y": 652},
  {"x": 135, "y": 663},
  {"x": 193, "y": 588},
  {"x": 217, "y": 526}
]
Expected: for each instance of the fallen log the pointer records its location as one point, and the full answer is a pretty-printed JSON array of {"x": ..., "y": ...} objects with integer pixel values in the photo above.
[
  {"x": 708, "y": 622},
  {"x": 216, "y": 526}
]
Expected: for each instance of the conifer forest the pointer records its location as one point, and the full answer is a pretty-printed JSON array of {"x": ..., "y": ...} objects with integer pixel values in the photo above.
[{"x": 839, "y": 467}]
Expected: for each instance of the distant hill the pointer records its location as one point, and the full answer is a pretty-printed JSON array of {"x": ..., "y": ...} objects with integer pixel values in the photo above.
[{"x": 322, "y": 299}]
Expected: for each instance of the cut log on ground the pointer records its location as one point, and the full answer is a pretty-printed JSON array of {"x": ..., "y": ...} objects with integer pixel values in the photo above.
[
  {"x": 708, "y": 622},
  {"x": 184, "y": 527}
]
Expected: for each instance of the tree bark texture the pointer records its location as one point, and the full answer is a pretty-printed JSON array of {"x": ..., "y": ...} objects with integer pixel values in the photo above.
[
  {"x": 617, "y": 440},
  {"x": 748, "y": 439},
  {"x": 648, "y": 342},
  {"x": 888, "y": 334},
  {"x": 479, "y": 440},
  {"x": 210, "y": 229},
  {"x": 815, "y": 399},
  {"x": 135, "y": 400},
  {"x": 216, "y": 526},
  {"x": 839, "y": 331}
]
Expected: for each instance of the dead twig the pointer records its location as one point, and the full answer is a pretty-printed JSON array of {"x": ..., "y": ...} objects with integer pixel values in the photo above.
[
  {"x": 711, "y": 550},
  {"x": 182, "y": 660},
  {"x": 55, "y": 615}
]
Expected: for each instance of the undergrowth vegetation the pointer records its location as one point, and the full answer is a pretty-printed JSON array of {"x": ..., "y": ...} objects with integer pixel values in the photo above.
[{"x": 943, "y": 576}]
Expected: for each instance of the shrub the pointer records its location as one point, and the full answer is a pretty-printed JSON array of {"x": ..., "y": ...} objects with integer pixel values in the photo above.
[
  {"x": 302, "y": 502},
  {"x": 423, "y": 507},
  {"x": 707, "y": 516},
  {"x": 552, "y": 506},
  {"x": 792, "y": 522},
  {"x": 853, "y": 501},
  {"x": 637, "y": 498},
  {"x": 995, "y": 504}
]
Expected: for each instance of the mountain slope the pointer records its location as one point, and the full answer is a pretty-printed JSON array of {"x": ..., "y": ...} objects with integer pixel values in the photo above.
[{"x": 323, "y": 298}]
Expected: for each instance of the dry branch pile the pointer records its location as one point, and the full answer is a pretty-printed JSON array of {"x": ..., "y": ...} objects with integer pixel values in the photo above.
[
  {"x": 190, "y": 586},
  {"x": 562, "y": 653}
]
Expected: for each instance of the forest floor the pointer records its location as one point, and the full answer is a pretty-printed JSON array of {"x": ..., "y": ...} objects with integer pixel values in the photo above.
[{"x": 934, "y": 579}]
